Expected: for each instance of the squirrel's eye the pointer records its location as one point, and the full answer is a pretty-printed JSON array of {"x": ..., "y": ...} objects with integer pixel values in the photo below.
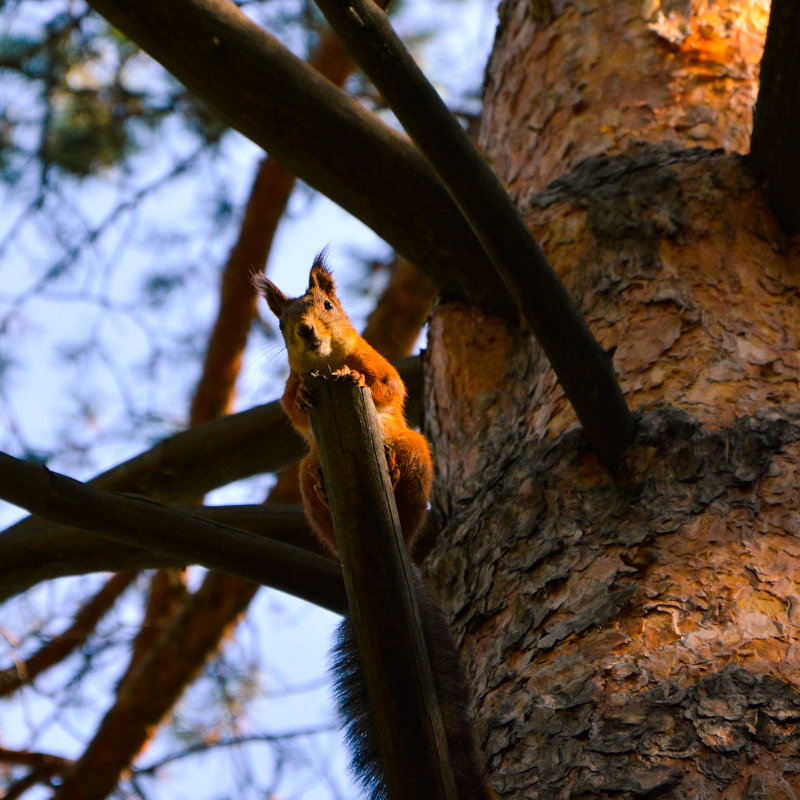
[{"x": 328, "y": 305}]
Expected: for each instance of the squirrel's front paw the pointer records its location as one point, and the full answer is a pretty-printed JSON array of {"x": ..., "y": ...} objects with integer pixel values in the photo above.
[
  {"x": 347, "y": 374},
  {"x": 303, "y": 397}
]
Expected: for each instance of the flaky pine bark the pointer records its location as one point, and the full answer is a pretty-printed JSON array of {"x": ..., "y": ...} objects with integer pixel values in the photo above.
[{"x": 631, "y": 635}]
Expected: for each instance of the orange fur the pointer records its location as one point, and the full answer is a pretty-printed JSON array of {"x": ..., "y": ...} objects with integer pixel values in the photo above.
[{"x": 320, "y": 337}]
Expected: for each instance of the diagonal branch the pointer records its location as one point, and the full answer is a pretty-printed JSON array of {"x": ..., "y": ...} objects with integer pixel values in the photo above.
[
  {"x": 171, "y": 533},
  {"x": 43, "y": 766},
  {"x": 583, "y": 367},
  {"x": 314, "y": 130},
  {"x": 193, "y": 462},
  {"x": 237, "y": 305},
  {"x": 153, "y": 687},
  {"x": 776, "y": 124},
  {"x": 73, "y": 551}
]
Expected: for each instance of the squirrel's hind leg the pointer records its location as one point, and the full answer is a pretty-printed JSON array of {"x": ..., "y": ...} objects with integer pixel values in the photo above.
[
  {"x": 414, "y": 469},
  {"x": 315, "y": 501}
]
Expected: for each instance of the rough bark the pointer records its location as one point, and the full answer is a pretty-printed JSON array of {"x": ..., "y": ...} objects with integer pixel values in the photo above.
[
  {"x": 639, "y": 636},
  {"x": 590, "y": 77}
]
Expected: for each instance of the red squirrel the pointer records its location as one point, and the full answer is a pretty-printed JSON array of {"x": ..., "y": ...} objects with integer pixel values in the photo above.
[{"x": 320, "y": 337}]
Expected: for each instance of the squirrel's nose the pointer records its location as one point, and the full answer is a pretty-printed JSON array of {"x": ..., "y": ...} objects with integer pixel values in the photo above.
[{"x": 305, "y": 331}]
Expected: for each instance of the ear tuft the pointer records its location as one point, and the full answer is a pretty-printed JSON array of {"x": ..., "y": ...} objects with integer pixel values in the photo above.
[
  {"x": 276, "y": 299},
  {"x": 320, "y": 276}
]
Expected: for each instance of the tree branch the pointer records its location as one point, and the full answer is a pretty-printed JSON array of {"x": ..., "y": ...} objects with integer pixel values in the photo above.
[
  {"x": 168, "y": 532},
  {"x": 314, "y": 130},
  {"x": 386, "y": 619},
  {"x": 776, "y": 124},
  {"x": 43, "y": 767},
  {"x": 193, "y": 462},
  {"x": 265, "y": 206},
  {"x": 73, "y": 551},
  {"x": 583, "y": 367}
]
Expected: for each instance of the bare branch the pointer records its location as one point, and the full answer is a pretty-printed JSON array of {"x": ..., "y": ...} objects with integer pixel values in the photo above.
[
  {"x": 73, "y": 551},
  {"x": 315, "y": 131},
  {"x": 195, "y": 461},
  {"x": 583, "y": 367},
  {"x": 402, "y": 696},
  {"x": 33, "y": 759},
  {"x": 776, "y": 124},
  {"x": 186, "y": 538},
  {"x": 237, "y": 305},
  {"x": 43, "y": 767},
  {"x": 265, "y": 206},
  {"x": 150, "y": 691}
]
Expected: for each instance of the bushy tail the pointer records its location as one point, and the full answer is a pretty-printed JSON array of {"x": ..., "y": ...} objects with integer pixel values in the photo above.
[{"x": 354, "y": 714}]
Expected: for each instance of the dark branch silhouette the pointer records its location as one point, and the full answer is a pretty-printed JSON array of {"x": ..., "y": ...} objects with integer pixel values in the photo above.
[
  {"x": 583, "y": 367},
  {"x": 188, "y": 539},
  {"x": 776, "y": 124},
  {"x": 386, "y": 618},
  {"x": 314, "y": 130},
  {"x": 74, "y": 551}
]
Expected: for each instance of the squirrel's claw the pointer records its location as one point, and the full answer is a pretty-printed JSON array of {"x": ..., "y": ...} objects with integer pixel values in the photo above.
[
  {"x": 345, "y": 373},
  {"x": 391, "y": 463},
  {"x": 318, "y": 485},
  {"x": 303, "y": 397}
]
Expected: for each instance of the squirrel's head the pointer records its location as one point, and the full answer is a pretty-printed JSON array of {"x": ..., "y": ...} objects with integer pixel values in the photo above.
[{"x": 317, "y": 332}]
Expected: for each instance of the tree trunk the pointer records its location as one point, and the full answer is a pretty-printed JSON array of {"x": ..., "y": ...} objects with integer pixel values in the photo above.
[{"x": 632, "y": 634}]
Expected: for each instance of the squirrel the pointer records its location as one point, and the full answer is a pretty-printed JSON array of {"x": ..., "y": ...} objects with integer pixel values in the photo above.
[{"x": 320, "y": 337}]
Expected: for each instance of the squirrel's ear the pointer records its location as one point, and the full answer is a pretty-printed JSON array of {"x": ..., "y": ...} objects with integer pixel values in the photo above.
[
  {"x": 276, "y": 299},
  {"x": 321, "y": 277}
]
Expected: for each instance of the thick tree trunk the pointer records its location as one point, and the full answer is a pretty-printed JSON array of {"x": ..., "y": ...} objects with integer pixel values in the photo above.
[{"x": 636, "y": 634}]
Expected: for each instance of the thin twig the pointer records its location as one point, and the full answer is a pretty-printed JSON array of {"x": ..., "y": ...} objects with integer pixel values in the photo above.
[{"x": 60, "y": 646}]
